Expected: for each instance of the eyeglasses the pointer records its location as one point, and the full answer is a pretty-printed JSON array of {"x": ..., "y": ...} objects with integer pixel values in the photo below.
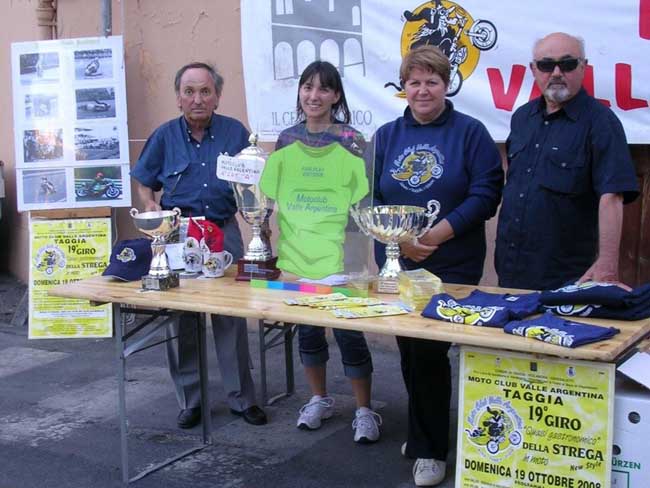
[{"x": 566, "y": 65}]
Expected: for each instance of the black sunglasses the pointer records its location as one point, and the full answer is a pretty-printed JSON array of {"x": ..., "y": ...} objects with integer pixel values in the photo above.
[{"x": 566, "y": 65}]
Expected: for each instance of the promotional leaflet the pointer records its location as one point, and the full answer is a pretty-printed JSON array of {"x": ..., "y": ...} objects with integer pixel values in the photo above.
[
  {"x": 526, "y": 421},
  {"x": 65, "y": 251}
]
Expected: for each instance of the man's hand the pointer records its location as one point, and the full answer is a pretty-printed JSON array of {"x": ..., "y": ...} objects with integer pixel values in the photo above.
[
  {"x": 610, "y": 222},
  {"x": 146, "y": 196},
  {"x": 604, "y": 271},
  {"x": 416, "y": 251},
  {"x": 151, "y": 206}
]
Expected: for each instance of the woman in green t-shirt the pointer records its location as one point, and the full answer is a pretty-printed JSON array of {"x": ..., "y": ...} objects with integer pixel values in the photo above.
[{"x": 323, "y": 118}]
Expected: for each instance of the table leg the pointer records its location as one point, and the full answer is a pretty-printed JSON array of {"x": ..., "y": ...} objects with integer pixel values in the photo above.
[
  {"x": 119, "y": 332},
  {"x": 206, "y": 417},
  {"x": 262, "y": 338},
  {"x": 288, "y": 357}
]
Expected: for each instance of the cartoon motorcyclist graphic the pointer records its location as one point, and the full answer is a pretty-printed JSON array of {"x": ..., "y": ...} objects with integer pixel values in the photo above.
[
  {"x": 436, "y": 27},
  {"x": 447, "y": 25}
]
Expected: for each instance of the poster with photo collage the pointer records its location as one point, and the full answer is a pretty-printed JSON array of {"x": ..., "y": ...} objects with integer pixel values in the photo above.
[{"x": 70, "y": 124}]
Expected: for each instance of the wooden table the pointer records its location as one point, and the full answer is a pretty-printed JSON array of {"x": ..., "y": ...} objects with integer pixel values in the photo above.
[{"x": 225, "y": 296}]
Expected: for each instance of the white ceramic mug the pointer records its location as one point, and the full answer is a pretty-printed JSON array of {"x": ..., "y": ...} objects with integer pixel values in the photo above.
[
  {"x": 215, "y": 264},
  {"x": 192, "y": 258}
]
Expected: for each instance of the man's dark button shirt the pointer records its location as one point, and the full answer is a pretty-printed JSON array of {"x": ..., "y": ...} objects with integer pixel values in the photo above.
[
  {"x": 186, "y": 169},
  {"x": 558, "y": 167}
]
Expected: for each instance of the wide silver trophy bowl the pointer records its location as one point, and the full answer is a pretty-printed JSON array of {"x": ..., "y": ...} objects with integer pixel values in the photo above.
[
  {"x": 390, "y": 225},
  {"x": 158, "y": 225},
  {"x": 255, "y": 208}
]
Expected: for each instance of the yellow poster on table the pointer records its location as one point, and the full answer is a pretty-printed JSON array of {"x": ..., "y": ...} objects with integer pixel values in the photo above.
[
  {"x": 65, "y": 251},
  {"x": 533, "y": 422}
]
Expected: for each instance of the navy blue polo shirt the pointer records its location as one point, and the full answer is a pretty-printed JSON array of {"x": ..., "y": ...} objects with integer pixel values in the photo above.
[
  {"x": 558, "y": 167},
  {"x": 186, "y": 169}
]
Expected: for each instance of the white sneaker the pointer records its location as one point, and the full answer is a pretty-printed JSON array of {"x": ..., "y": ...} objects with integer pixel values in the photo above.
[
  {"x": 428, "y": 472},
  {"x": 366, "y": 425},
  {"x": 318, "y": 409},
  {"x": 404, "y": 450}
]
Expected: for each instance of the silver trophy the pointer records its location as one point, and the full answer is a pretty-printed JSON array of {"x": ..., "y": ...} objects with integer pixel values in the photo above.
[
  {"x": 390, "y": 225},
  {"x": 158, "y": 225},
  {"x": 255, "y": 208}
]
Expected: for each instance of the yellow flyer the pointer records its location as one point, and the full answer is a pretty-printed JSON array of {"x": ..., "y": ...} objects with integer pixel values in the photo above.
[
  {"x": 65, "y": 251},
  {"x": 533, "y": 422}
]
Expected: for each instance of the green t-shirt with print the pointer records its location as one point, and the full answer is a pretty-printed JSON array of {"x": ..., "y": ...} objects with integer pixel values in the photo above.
[{"x": 314, "y": 188}]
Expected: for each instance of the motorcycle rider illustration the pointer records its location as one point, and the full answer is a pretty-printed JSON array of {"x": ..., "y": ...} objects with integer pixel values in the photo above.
[
  {"x": 46, "y": 189},
  {"x": 436, "y": 28},
  {"x": 92, "y": 68},
  {"x": 98, "y": 187},
  {"x": 99, "y": 182},
  {"x": 445, "y": 28}
]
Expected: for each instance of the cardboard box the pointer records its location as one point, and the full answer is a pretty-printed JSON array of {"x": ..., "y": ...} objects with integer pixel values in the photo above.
[{"x": 631, "y": 450}]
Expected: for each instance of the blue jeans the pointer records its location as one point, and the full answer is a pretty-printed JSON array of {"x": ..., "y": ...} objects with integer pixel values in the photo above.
[{"x": 355, "y": 355}]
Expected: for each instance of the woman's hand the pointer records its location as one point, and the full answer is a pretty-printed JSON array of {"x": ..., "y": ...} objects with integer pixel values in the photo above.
[{"x": 416, "y": 251}]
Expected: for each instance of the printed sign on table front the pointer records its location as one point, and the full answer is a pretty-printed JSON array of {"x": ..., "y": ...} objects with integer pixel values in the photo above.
[{"x": 533, "y": 422}]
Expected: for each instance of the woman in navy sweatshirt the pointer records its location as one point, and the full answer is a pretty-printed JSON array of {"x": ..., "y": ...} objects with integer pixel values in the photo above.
[{"x": 435, "y": 152}]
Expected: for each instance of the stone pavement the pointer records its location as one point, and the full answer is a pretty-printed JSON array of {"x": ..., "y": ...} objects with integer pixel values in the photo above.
[{"x": 58, "y": 421}]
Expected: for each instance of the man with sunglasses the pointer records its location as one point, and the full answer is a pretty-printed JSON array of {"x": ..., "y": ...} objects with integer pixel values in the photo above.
[{"x": 569, "y": 174}]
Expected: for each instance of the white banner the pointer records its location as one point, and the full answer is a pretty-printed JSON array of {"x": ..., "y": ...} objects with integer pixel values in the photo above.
[{"x": 489, "y": 44}]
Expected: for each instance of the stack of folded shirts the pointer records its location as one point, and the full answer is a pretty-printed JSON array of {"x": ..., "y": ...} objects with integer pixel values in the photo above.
[
  {"x": 601, "y": 300},
  {"x": 482, "y": 309},
  {"x": 559, "y": 331}
]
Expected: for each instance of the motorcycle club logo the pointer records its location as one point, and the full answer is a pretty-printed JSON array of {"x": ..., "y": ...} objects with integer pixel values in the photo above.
[
  {"x": 49, "y": 258},
  {"x": 449, "y": 26},
  {"x": 495, "y": 427},
  {"x": 418, "y": 166},
  {"x": 127, "y": 254},
  {"x": 453, "y": 311}
]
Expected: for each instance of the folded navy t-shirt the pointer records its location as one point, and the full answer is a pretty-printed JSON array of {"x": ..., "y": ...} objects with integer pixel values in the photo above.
[
  {"x": 559, "y": 331},
  {"x": 482, "y": 308},
  {"x": 602, "y": 300}
]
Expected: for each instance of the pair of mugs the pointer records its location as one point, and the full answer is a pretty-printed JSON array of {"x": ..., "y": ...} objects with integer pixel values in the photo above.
[{"x": 211, "y": 264}]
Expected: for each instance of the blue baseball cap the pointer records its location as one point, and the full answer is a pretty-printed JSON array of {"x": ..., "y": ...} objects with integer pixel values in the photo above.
[{"x": 130, "y": 260}]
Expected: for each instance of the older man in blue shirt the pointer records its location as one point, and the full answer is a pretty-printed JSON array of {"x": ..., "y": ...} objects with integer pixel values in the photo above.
[
  {"x": 569, "y": 174},
  {"x": 180, "y": 159}
]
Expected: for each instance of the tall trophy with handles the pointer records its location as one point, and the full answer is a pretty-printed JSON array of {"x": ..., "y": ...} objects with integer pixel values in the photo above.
[
  {"x": 244, "y": 171},
  {"x": 390, "y": 225},
  {"x": 158, "y": 225}
]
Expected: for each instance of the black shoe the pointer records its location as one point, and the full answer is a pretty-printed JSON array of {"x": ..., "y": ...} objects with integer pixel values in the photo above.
[
  {"x": 253, "y": 415},
  {"x": 189, "y": 417}
]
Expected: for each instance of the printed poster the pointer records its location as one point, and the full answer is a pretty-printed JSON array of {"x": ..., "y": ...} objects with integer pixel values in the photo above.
[
  {"x": 65, "y": 251},
  {"x": 533, "y": 422},
  {"x": 70, "y": 124},
  {"x": 489, "y": 45}
]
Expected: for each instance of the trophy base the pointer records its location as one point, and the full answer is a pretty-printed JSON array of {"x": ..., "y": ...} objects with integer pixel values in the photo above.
[
  {"x": 160, "y": 284},
  {"x": 257, "y": 270},
  {"x": 387, "y": 285}
]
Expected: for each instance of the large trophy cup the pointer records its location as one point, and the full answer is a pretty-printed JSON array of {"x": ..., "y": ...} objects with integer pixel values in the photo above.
[
  {"x": 159, "y": 225},
  {"x": 255, "y": 208},
  {"x": 390, "y": 225}
]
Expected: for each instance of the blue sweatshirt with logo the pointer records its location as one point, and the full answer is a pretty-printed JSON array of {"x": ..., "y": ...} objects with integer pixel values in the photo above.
[{"x": 452, "y": 160}]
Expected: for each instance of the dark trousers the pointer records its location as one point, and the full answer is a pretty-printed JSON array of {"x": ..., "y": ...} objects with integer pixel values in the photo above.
[{"x": 427, "y": 377}]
